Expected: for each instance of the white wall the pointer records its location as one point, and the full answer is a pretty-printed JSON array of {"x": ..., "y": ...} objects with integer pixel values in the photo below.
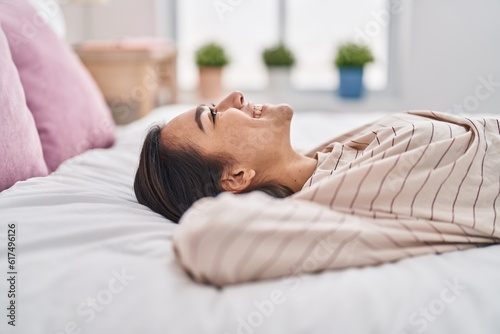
[
  {"x": 118, "y": 18},
  {"x": 452, "y": 44}
]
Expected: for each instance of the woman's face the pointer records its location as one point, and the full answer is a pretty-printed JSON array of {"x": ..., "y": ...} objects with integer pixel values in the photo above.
[{"x": 253, "y": 135}]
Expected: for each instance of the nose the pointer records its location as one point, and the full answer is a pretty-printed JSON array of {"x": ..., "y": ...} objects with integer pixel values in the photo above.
[{"x": 234, "y": 100}]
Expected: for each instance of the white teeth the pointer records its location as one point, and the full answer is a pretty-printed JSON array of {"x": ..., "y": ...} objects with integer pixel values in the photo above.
[{"x": 257, "y": 110}]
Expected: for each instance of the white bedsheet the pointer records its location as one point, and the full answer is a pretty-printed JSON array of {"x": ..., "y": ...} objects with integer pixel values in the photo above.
[{"x": 90, "y": 259}]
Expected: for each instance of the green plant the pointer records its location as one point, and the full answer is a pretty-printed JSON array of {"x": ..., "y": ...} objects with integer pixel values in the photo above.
[
  {"x": 211, "y": 55},
  {"x": 353, "y": 55},
  {"x": 278, "y": 56}
]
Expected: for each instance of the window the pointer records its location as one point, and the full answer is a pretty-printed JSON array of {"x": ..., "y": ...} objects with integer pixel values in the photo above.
[{"x": 311, "y": 28}]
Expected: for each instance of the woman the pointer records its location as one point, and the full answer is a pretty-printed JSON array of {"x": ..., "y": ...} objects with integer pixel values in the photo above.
[
  {"x": 234, "y": 146},
  {"x": 412, "y": 183},
  {"x": 237, "y": 146}
]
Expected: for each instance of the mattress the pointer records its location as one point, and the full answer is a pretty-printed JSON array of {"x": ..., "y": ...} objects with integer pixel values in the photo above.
[{"x": 89, "y": 259}]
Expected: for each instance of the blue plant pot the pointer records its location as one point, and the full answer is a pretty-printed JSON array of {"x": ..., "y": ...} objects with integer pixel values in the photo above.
[{"x": 351, "y": 82}]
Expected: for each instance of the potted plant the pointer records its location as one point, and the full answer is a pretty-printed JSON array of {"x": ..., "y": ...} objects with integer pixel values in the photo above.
[
  {"x": 350, "y": 60},
  {"x": 278, "y": 59},
  {"x": 210, "y": 58}
]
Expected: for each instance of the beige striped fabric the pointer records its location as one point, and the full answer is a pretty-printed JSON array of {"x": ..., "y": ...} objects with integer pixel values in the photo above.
[{"x": 409, "y": 184}]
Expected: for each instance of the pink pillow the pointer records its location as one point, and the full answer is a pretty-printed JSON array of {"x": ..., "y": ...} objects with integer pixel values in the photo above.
[
  {"x": 20, "y": 148},
  {"x": 70, "y": 113}
]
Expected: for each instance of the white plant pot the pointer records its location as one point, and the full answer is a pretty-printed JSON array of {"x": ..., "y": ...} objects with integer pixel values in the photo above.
[{"x": 279, "y": 80}]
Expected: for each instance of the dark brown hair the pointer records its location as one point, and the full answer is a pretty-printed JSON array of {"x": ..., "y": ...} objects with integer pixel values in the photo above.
[{"x": 170, "y": 179}]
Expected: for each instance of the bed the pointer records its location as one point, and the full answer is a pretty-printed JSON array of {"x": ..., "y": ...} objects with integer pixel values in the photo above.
[{"x": 90, "y": 259}]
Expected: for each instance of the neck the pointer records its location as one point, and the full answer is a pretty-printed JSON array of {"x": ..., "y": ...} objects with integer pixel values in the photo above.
[{"x": 296, "y": 170}]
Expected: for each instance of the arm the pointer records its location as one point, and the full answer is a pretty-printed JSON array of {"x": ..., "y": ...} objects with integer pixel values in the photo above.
[{"x": 239, "y": 238}]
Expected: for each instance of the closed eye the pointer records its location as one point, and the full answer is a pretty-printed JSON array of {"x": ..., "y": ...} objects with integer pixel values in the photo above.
[{"x": 213, "y": 111}]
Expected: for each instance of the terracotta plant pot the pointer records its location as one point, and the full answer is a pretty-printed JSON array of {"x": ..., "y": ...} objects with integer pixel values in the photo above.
[{"x": 210, "y": 83}]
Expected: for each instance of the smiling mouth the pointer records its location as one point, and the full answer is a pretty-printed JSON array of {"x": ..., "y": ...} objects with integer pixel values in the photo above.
[{"x": 258, "y": 109}]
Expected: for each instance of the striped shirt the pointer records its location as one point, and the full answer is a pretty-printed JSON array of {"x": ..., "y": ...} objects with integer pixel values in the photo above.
[{"x": 409, "y": 184}]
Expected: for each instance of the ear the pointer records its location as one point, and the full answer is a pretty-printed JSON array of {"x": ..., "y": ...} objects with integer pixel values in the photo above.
[{"x": 237, "y": 180}]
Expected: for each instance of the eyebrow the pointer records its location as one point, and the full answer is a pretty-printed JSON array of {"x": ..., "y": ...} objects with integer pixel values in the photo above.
[{"x": 197, "y": 116}]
